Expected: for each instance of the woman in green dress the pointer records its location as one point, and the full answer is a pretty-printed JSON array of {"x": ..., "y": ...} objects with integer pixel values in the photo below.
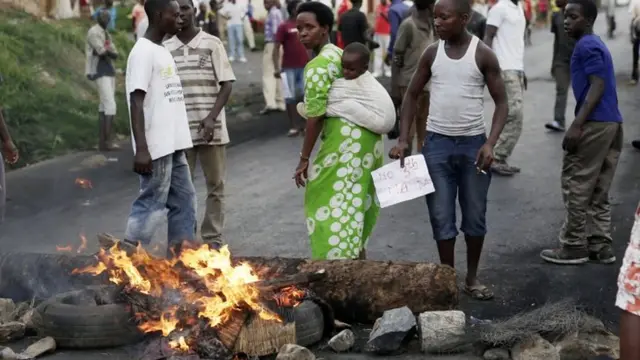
[{"x": 340, "y": 204}]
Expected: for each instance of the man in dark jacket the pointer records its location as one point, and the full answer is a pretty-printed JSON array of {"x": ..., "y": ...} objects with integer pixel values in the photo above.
[{"x": 562, "y": 51}]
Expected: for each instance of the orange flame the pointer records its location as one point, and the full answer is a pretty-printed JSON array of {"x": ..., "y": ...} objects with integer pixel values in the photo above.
[
  {"x": 290, "y": 297},
  {"x": 214, "y": 284},
  {"x": 84, "y": 183},
  {"x": 69, "y": 248}
]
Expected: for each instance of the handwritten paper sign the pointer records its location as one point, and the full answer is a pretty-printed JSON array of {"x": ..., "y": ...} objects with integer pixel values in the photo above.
[{"x": 395, "y": 184}]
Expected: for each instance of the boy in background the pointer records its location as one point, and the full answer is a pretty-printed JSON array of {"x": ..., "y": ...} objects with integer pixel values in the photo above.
[{"x": 592, "y": 145}]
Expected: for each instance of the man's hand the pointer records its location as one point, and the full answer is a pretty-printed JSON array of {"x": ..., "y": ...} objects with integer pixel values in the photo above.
[
  {"x": 206, "y": 129},
  {"x": 10, "y": 152},
  {"x": 142, "y": 163},
  {"x": 484, "y": 159},
  {"x": 400, "y": 151},
  {"x": 387, "y": 59},
  {"x": 572, "y": 138},
  {"x": 525, "y": 81},
  {"x": 277, "y": 73},
  {"x": 301, "y": 175},
  {"x": 398, "y": 60}
]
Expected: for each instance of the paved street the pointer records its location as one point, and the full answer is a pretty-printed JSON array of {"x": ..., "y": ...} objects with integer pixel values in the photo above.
[{"x": 265, "y": 216}]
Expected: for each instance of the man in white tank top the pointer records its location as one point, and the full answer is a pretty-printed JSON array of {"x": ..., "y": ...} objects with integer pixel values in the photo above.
[{"x": 457, "y": 150}]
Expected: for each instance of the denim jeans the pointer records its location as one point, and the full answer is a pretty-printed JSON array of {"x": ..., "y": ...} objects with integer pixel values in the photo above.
[
  {"x": 451, "y": 163},
  {"x": 236, "y": 40},
  {"x": 170, "y": 188},
  {"x": 294, "y": 85}
]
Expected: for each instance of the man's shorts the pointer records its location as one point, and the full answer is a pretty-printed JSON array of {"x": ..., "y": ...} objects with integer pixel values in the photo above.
[
  {"x": 293, "y": 84},
  {"x": 628, "y": 298},
  {"x": 451, "y": 162}
]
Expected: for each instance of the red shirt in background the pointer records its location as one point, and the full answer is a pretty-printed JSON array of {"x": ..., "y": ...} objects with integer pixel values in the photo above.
[
  {"x": 344, "y": 7},
  {"x": 294, "y": 54},
  {"x": 382, "y": 21},
  {"x": 527, "y": 9}
]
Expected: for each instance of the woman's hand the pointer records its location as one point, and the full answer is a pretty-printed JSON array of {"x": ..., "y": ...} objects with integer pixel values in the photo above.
[
  {"x": 301, "y": 173},
  {"x": 10, "y": 152}
]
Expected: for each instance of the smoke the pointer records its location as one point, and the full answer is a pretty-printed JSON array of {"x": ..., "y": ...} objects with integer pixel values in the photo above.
[{"x": 25, "y": 276}]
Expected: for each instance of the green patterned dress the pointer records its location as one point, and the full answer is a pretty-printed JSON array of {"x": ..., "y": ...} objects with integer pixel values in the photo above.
[{"x": 340, "y": 202}]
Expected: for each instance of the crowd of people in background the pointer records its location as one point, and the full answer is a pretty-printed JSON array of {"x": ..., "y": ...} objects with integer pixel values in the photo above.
[{"x": 439, "y": 56}]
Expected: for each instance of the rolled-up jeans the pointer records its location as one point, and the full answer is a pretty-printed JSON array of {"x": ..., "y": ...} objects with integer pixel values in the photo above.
[
  {"x": 170, "y": 188},
  {"x": 452, "y": 164}
]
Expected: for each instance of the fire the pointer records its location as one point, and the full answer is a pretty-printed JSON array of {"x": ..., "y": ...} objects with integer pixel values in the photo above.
[
  {"x": 167, "y": 323},
  {"x": 84, "y": 183},
  {"x": 201, "y": 278},
  {"x": 290, "y": 296},
  {"x": 69, "y": 248},
  {"x": 180, "y": 344}
]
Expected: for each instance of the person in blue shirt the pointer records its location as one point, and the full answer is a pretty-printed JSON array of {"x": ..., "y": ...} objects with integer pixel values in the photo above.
[
  {"x": 108, "y": 4},
  {"x": 592, "y": 145}
]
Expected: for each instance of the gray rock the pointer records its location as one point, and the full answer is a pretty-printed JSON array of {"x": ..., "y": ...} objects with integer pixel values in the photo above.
[
  {"x": 7, "y": 308},
  {"x": 534, "y": 348},
  {"x": 496, "y": 354},
  {"x": 390, "y": 331},
  {"x": 588, "y": 344},
  {"x": 28, "y": 319},
  {"x": 8, "y": 354},
  {"x": 40, "y": 347},
  {"x": 294, "y": 352},
  {"x": 440, "y": 327},
  {"x": 343, "y": 341},
  {"x": 11, "y": 331}
]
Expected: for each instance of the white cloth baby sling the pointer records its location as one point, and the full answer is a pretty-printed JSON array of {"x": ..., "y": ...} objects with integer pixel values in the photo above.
[{"x": 362, "y": 101}]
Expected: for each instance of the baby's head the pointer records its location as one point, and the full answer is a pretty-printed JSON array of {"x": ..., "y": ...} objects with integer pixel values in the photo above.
[{"x": 355, "y": 60}]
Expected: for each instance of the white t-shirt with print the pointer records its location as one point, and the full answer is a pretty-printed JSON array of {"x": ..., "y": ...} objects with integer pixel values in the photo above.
[
  {"x": 235, "y": 12},
  {"x": 508, "y": 43},
  {"x": 151, "y": 68}
]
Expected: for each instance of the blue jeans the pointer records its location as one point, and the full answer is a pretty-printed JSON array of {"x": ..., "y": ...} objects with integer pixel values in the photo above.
[
  {"x": 236, "y": 40},
  {"x": 169, "y": 187},
  {"x": 295, "y": 84},
  {"x": 451, "y": 162}
]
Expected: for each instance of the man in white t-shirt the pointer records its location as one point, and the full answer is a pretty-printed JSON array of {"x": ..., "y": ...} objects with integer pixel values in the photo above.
[
  {"x": 161, "y": 134},
  {"x": 506, "y": 25},
  {"x": 235, "y": 14}
]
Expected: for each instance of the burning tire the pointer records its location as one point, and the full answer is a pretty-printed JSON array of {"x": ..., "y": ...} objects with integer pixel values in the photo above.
[
  {"x": 310, "y": 323},
  {"x": 86, "y": 319}
]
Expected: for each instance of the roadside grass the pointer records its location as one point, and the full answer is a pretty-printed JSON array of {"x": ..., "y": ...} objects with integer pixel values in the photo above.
[{"x": 50, "y": 106}]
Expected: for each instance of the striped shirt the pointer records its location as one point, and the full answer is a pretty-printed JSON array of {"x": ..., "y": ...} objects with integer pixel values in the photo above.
[
  {"x": 274, "y": 19},
  {"x": 202, "y": 65}
]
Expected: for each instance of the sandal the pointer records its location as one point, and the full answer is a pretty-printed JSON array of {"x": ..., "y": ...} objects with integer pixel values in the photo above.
[
  {"x": 293, "y": 132},
  {"x": 478, "y": 292}
]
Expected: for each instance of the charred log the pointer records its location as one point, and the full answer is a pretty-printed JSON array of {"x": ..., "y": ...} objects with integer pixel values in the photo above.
[{"x": 361, "y": 290}]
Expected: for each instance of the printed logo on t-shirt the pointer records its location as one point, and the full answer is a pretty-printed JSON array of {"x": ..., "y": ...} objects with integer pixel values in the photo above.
[
  {"x": 167, "y": 72},
  {"x": 203, "y": 60}
]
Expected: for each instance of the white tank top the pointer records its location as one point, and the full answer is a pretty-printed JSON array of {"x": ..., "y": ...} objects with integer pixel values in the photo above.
[{"x": 457, "y": 94}]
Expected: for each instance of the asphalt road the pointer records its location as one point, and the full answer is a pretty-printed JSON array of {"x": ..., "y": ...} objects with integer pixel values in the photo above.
[{"x": 264, "y": 208}]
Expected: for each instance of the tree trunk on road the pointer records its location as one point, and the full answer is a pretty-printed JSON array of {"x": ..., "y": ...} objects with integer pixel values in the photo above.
[{"x": 357, "y": 290}]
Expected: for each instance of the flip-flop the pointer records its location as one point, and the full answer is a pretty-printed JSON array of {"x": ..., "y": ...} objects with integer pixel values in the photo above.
[{"x": 478, "y": 292}]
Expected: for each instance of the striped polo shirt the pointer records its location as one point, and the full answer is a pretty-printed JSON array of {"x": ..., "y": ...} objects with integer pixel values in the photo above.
[{"x": 202, "y": 65}]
